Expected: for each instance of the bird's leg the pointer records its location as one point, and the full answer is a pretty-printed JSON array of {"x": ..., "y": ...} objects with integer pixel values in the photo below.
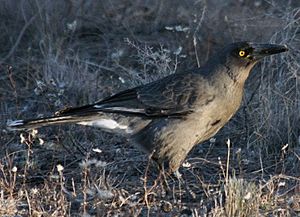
[
  {"x": 178, "y": 175},
  {"x": 164, "y": 179},
  {"x": 148, "y": 190},
  {"x": 160, "y": 179},
  {"x": 182, "y": 182}
]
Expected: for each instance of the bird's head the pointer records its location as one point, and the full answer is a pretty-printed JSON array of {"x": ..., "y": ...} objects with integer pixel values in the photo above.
[
  {"x": 249, "y": 52},
  {"x": 240, "y": 57}
]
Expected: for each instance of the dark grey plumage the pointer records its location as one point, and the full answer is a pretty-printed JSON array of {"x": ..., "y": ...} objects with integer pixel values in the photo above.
[{"x": 168, "y": 117}]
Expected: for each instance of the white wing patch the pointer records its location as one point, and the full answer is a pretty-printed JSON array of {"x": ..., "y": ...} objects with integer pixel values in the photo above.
[
  {"x": 120, "y": 109},
  {"x": 106, "y": 124}
]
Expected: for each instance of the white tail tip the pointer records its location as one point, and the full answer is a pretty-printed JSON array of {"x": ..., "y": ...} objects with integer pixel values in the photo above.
[{"x": 14, "y": 124}]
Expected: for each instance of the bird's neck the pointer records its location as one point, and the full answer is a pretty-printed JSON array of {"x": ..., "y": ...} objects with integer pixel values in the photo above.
[{"x": 220, "y": 74}]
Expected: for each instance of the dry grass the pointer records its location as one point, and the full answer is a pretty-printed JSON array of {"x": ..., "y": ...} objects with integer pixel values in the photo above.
[{"x": 61, "y": 53}]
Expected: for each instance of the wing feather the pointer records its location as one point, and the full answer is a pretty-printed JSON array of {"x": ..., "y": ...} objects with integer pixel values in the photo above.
[{"x": 172, "y": 95}]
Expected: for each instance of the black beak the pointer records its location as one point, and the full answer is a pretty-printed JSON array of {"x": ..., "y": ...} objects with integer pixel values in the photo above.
[{"x": 263, "y": 50}]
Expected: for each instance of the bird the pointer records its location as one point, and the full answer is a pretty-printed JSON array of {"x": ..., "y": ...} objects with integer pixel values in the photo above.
[{"x": 166, "y": 118}]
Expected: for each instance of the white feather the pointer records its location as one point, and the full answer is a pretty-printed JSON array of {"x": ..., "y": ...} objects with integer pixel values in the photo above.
[
  {"x": 121, "y": 109},
  {"x": 15, "y": 123},
  {"x": 106, "y": 124}
]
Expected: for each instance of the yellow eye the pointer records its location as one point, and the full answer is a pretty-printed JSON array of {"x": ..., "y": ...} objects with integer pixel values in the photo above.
[{"x": 242, "y": 53}]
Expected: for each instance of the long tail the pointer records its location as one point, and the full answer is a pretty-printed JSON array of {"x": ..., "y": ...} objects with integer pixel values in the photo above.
[
  {"x": 89, "y": 115},
  {"x": 40, "y": 122}
]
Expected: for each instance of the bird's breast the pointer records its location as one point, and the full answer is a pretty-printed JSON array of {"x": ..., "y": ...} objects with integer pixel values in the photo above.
[{"x": 209, "y": 118}]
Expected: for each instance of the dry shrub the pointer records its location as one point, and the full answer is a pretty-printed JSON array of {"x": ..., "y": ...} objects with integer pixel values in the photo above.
[{"x": 242, "y": 198}]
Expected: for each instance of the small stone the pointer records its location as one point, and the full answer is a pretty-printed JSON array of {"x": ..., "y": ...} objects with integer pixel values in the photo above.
[{"x": 166, "y": 206}]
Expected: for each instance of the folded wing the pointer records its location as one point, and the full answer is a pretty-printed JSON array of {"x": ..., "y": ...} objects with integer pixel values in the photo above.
[{"x": 172, "y": 96}]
